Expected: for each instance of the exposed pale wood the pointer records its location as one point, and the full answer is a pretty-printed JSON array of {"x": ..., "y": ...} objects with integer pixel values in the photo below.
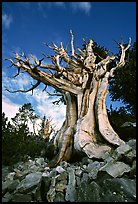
[
  {"x": 101, "y": 113},
  {"x": 64, "y": 138},
  {"x": 83, "y": 83}
]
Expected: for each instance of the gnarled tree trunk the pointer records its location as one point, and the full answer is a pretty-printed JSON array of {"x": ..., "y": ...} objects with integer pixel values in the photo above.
[{"x": 83, "y": 83}]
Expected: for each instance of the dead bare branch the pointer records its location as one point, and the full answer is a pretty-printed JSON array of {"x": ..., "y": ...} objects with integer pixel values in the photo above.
[
  {"x": 84, "y": 41},
  {"x": 17, "y": 73},
  {"x": 54, "y": 94},
  {"x": 44, "y": 88},
  {"x": 72, "y": 43},
  {"x": 121, "y": 62},
  {"x": 25, "y": 91},
  {"x": 12, "y": 62}
]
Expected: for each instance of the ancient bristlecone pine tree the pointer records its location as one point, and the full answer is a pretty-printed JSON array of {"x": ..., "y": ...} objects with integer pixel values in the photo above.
[{"x": 83, "y": 84}]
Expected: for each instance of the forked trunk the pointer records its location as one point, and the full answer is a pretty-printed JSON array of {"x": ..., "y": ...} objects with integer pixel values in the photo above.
[
  {"x": 83, "y": 82},
  {"x": 86, "y": 126}
]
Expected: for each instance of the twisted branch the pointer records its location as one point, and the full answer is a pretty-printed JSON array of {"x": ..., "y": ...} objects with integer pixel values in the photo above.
[
  {"x": 66, "y": 79},
  {"x": 121, "y": 62},
  {"x": 25, "y": 91},
  {"x": 72, "y": 43}
]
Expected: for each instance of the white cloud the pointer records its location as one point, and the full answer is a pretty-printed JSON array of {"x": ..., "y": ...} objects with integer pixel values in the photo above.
[
  {"x": 22, "y": 82},
  {"x": 42, "y": 5},
  {"x": 43, "y": 102},
  {"x": 10, "y": 109},
  {"x": 75, "y": 6},
  {"x": 6, "y": 20},
  {"x": 84, "y": 6},
  {"x": 47, "y": 108},
  {"x": 44, "y": 106},
  {"x": 8, "y": 106}
]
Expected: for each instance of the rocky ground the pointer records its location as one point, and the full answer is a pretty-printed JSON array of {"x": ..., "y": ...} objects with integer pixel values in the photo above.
[{"x": 109, "y": 179}]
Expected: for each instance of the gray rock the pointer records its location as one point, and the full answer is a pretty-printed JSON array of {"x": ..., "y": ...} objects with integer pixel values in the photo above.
[
  {"x": 46, "y": 174},
  {"x": 30, "y": 182},
  {"x": 116, "y": 169},
  {"x": 8, "y": 196},
  {"x": 133, "y": 170},
  {"x": 36, "y": 194},
  {"x": 61, "y": 186},
  {"x": 107, "y": 157},
  {"x": 71, "y": 191},
  {"x": 22, "y": 174},
  {"x": 9, "y": 185},
  {"x": 5, "y": 185},
  {"x": 85, "y": 160},
  {"x": 60, "y": 169},
  {"x": 90, "y": 160},
  {"x": 101, "y": 176},
  {"x": 62, "y": 176},
  {"x": 34, "y": 168},
  {"x": 132, "y": 143},
  {"x": 30, "y": 162},
  {"x": 40, "y": 161},
  {"x": 4, "y": 200},
  {"x": 19, "y": 165},
  {"x": 52, "y": 191},
  {"x": 93, "y": 168},
  {"x": 64, "y": 164},
  {"x": 129, "y": 124},
  {"x": 12, "y": 186},
  {"x": 44, "y": 188},
  {"x": 88, "y": 193},
  {"x": 85, "y": 177},
  {"x": 11, "y": 175},
  {"x": 5, "y": 171},
  {"x": 78, "y": 172},
  {"x": 59, "y": 197},
  {"x": 33, "y": 181},
  {"x": 119, "y": 190},
  {"x": 51, "y": 194},
  {"x": 53, "y": 173},
  {"x": 53, "y": 181},
  {"x": 22, "y": 198},
  {"x": 84, "y": 167},
  {"x": 46, "y": 168},
  {"x": 18, "y": 174},
  {"x": 78, "y": 180},
  {"x": 121, "y": 150},
  {"x": 109, "y": 190},
  {"x": 129, "y": 157}
]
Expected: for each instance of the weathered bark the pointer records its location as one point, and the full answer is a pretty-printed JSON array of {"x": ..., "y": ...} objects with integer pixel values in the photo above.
[
  {"x": 101, "y": 114},
  {"x": 83, "y": 83},
  {"x": 64, "y": 139}
]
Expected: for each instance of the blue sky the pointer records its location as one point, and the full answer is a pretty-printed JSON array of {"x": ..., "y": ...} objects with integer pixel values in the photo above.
[{"x": 26, "y": 25}]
